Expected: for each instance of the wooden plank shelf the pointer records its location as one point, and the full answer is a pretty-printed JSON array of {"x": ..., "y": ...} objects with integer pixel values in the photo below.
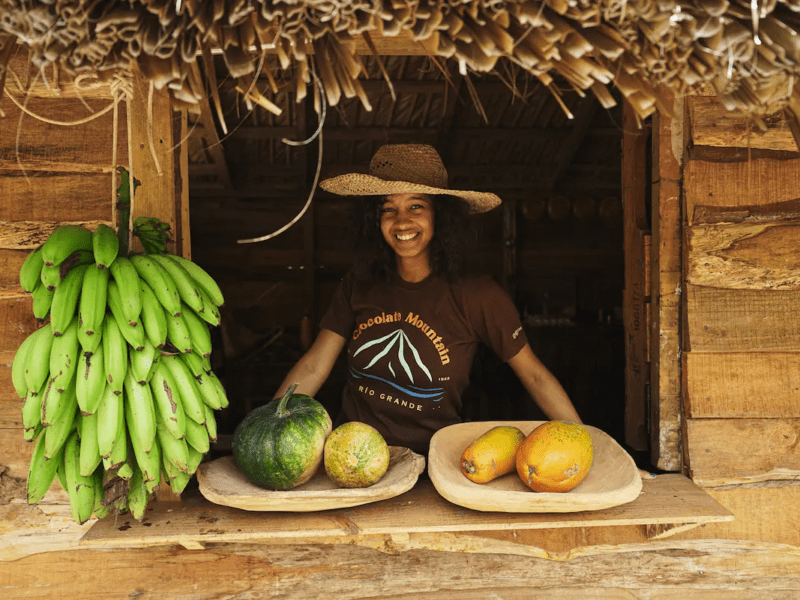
[{"x": 669, "y": 501}]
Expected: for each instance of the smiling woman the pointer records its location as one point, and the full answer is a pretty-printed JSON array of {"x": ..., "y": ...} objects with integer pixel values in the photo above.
[{"x": 412, "y": 241}]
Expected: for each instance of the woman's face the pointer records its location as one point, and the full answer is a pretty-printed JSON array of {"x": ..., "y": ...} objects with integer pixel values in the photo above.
[{"x": 407, "y": 224}]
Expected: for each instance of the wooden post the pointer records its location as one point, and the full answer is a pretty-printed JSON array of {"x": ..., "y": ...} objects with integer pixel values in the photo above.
[{"x": 635, "y": 294}]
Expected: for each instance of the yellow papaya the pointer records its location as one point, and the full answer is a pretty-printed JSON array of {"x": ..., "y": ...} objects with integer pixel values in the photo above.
[{"x": 492, "y": 455}]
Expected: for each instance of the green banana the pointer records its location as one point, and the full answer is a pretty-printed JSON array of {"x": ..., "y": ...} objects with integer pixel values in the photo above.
[
  {"x": 202, "y": 279},
  {"x": 80, "y": 489},
  {"x": 92, "y": 303},
  {"x": 199, "y": 333},
  {"x": 77, "y": 258},
  {"x": 142, "y": 362},
  {"x": 105, "y": 245},
  {"x": 133, "y": 333},
  {"x": 18, "y": 366},
  {"x": 185, "y": 284},
  {"x": 223, "y": 396},
  {"x": 89, "y": 451},
  {"x": 177, "y": 479},
  {"x": 64, "y": 356},
  {"x": 178, "y": 333},
  {"x": 31, "y": 434},
  {"x": 168, "y": 403},
  {"x": 127, "y": 279},
  {"x": 41, "y": 471},
  {"x": 172, "y": 449},
  {"x": 90, "y": 382},
  {"x": 57, "y": 433},
  {"x": 194, "y": 459},
  {"x": 37, "y": 362},
  {"x": 211, "y": 424},
  {"x": 115, "y": 356},
  {"x": 178, "y": 377},
  {"x": 42, "y": 301},
  {"x": 138, "y": 495},
  {"x": 63, "y": 241},
  {"x": 210, "y": 313},
  {"x": 140, "y": 414},
  {"x": 154, "y": 319},
  {"x": 100, "y": 510},
  {"x": 194, "y": 362},
  {"x": 109, "y": 414},
  {"x": 60, "y": 476},
  {"x": 65, "y": 299},
  {"x": 30, "y": 271},
  {"x": 50, "y": 277},
  {"x": 197, "y": 436},
  {"x": 55, "y": 402},
  {"x": 160, "y": 281},
  {"x": 119, "y": 444},
  {"x": 149, "y": 462},
  {"x": 208, "y": 391},
  {"x": 32, "y": 410}
]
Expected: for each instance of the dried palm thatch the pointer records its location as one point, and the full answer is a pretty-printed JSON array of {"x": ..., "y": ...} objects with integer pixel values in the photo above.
[{"x": 748, "y": 51}]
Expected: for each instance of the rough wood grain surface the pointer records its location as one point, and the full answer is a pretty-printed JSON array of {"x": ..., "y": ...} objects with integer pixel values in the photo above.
[
  {"x": 667, "y": 499},
  {"x": 746, "y": 255},
  {"x": 720, "y": 320},
  {"x": 712, "y": 125},
  {"x": 758, "y": 181},
  {"x": 33, "y": 145},
  {"x": 743, "y": 384},
  {"x": 666, "y": 290},
  {"x": 28, "y": 235},
  {"x": 352, "y": 572},
  {"x": 735, "y": 451},
  {"x": 56, "y": 197}
]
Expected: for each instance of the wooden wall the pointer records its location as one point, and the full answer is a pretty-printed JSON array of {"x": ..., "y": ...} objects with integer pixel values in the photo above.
[{"x": 741, "y": 327}]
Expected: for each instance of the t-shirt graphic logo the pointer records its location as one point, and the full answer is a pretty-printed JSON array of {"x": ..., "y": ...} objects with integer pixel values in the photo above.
[{"x": 407, "y": 360}]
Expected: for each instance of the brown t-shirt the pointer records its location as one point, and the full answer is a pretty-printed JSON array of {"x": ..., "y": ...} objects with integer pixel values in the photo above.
[{"x": 410, "y": 349}]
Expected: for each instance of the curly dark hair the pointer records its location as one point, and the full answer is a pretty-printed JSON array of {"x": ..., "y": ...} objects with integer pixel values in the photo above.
[{"x": 453, "y": 236}]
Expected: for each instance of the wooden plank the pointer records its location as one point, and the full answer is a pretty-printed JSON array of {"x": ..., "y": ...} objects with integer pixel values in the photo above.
[
  {"x": 742, "y": 320},
  {"x": 666, "y": 290},
  {"x": 28, "y": 235},
  {"x": 10, "y": 402},
  {"x": 666, "y": 499},
  {"x": 10, "y": 263},
  {"x": 634, "y": 295},
  {"x": 16, "y": 323},
  {"x": 16, "y": 455},
  {"x": 33, "y": 145},
  {"x": 53, "y": 82},
  {"x": 760, "y": 181},
  {"x": 743, "y": 384},
  {"x": 153, "y": 160},
  {"x": 735, "y": 451},
  {"x": 712, "y": 125},
  {"x": 760, "y": 513},
  {"x": 55, "y": 197},
  {"x": 750, "y": 254}
]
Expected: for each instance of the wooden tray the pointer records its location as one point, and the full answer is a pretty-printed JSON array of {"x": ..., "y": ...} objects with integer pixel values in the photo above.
[
  {"x": 613, "y": 479},
  {"x": 222, "y": 482}
]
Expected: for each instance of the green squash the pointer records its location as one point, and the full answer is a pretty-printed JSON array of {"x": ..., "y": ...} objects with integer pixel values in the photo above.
[{"x": 280, "y": 445}]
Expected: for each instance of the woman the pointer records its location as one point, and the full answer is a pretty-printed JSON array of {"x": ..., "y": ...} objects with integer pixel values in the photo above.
[{"x": 410, "y": 323}]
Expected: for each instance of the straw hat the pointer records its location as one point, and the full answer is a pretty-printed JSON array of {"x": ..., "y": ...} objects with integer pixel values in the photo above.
[{"x": 406, "y": 168}]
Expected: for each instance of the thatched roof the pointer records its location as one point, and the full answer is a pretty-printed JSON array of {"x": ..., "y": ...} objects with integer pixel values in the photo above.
[{"x": 749, "y": 52}]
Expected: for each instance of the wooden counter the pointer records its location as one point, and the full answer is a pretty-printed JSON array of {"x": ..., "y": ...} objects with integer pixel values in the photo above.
[{"x": 667, "y": 504}]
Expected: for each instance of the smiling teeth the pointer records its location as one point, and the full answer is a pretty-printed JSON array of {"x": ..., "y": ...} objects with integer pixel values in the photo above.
[{"x": 405, "y": 237}]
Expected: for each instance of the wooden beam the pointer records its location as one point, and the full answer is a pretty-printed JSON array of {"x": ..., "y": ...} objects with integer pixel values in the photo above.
[
  {"x": 569, "y": 146},
  {"x": 635, "y": 296}
]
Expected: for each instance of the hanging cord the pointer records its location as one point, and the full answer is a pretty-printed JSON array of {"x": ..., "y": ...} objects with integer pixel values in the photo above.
[{"x": 317, "y": 133}]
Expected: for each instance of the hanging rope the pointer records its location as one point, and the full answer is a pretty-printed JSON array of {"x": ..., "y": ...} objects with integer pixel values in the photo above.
[{"x": 317, "y": 133}]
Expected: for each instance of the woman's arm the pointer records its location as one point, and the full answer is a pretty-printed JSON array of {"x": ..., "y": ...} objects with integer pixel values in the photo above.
[
  {"x": 543, "y": 387},
  {"x": 313, "y": 368}
]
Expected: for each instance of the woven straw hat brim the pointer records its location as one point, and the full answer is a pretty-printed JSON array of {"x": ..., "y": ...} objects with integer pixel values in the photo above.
[{"x": 359, "y": 184}]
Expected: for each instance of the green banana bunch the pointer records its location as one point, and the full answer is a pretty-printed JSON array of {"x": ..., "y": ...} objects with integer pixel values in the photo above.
[
  {"x": 117, "y": 386},
  {"x": 153, "y": 234},
  {"x": 63, "y": 241}
]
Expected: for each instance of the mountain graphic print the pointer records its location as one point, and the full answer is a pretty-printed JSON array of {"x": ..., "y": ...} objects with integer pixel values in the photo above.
[{"x": 403, "y": 361}]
